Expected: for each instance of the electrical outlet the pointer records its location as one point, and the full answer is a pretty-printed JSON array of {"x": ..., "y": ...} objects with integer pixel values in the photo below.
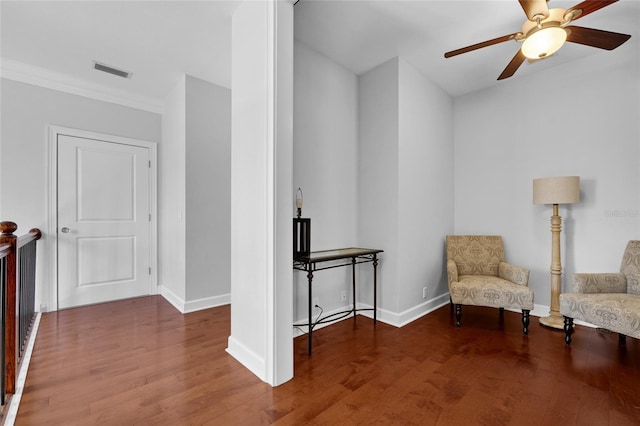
[
  {"x": 316, "y": 301},
  {"x": 343, "y": 296},
  {"x": 424, "y": 292}
]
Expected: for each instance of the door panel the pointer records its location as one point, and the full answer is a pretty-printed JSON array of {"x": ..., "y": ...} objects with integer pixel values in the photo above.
[{"x": 103, "y": 221}]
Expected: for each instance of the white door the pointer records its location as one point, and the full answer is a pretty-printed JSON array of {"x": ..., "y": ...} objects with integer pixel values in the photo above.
[{"x": 103, "y": 221}]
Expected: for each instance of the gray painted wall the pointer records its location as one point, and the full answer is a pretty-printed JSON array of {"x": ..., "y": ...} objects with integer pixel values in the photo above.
[
  {"x": 580, "y": 119},
  {"x": 208, "y": 189},
  {"x": 325, "y": 148},
  {"x": 374, "y": 157},
  {"x": 26, "y": 111},
  {"x": 195, "y": 195}
]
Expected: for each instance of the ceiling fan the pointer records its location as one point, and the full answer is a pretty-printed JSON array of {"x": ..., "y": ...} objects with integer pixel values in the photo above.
[{"x": 546, "y": 30}]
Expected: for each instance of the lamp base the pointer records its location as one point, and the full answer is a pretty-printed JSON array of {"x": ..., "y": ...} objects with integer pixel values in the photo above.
[{"x": 553, "y": 321}]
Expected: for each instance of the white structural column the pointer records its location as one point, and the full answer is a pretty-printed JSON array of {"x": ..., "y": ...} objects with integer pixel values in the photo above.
[{"x": 261, "y": 189}]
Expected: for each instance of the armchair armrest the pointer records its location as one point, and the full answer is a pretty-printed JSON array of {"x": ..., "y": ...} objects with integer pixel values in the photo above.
[
  {"x": 452, "y": 272},
  {"x": 599, "y": 283},
  {"x": 513, "y": 273}
]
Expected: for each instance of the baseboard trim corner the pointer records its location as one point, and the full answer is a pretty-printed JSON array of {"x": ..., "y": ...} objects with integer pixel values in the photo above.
[
  {"x": 403, "y": 318},
  {"x": 186, "y": 307},
  {"x": 247, "y": 358}
]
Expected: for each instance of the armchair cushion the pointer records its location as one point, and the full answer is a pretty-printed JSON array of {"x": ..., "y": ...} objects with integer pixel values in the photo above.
[
  {"x": 487, "y": 290},
  {"x": 617, "y": 312}
]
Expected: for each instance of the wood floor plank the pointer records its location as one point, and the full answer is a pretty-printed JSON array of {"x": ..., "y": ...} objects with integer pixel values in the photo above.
[{"x": 140, "y": 361}]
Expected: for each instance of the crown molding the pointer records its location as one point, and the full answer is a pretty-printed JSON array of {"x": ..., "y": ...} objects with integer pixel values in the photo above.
[{"x": 24, "y": 73}]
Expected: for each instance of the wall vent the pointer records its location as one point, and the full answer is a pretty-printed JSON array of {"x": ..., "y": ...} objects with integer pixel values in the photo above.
[{"x": 111, "y": 70}]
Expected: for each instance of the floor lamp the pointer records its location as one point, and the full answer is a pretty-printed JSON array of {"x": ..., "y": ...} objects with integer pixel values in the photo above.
[{"x": 556, "y": 190}]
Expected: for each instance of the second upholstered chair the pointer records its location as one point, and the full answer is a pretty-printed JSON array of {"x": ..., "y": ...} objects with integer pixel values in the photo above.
[
  {"x": 607, "y": 300},
  {"x": 478, "y": 275}
]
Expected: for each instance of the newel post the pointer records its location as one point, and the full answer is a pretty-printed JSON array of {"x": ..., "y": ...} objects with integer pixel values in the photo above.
[{"x": 7, "y": 236}]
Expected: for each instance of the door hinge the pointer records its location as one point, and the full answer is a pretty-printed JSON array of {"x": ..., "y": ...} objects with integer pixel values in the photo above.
[
  {"x": 149, "y": 270},
  {"x": 149, "y": 217},
  {"x": 149, "y": 163}
]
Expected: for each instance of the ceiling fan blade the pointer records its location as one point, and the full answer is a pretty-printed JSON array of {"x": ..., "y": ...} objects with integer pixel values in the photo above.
[
  {"x": 535, "y": 8},
  {"x": 588, "y": 6},
  {"x": 513, "y": 65},
  {"x": 595, "y": 38},
  {"x": 480, "y": 45}
]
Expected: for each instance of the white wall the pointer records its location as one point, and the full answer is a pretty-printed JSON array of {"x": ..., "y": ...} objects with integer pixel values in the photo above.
[
  {"x": 195, "y": 197},
  {"x": 405, "y": 186},
  {"x": 378, "y": 177},
  {"x": 426, "y": 192},
  {"x": 208, "y": 192},
  {"x": 172, "y": 197},
  {"x": 325, "y": 164},
  {"x": 374, "y": 157},
  {"x": 580, "y": 119},
  {"x": 26, "y": 111}
]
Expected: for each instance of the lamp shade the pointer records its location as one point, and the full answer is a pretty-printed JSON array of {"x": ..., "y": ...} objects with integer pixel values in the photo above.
[{"x": 556, "y": 190}]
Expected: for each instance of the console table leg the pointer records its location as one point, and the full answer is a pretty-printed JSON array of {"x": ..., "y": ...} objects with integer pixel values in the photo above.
[
  {"x": 310, "y": 277},
  {"x": 353, "y": 284},
  {"x": 375, "y": 288}
]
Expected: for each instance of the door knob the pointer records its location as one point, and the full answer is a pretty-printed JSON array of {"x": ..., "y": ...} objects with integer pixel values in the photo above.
[{"x": 65, "y": 230}]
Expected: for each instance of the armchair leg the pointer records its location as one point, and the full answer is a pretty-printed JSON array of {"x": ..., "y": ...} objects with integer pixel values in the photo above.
[
  {"x": 568, "y": 329},
  {"x": 458, "y": 314},
  {"x": 525, "y": 320},
  {"x": 622, "y": 339}
]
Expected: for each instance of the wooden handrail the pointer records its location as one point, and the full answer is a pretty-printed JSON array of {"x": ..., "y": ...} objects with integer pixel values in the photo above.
[
  {"x": 7, "y": 236},
  {"x": 33, "y": 234}
]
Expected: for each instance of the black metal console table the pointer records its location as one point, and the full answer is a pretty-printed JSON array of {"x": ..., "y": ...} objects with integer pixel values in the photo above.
[{"x": 317, "y": 261}]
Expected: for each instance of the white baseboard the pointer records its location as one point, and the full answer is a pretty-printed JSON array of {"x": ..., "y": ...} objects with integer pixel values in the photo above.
[
  {"x": 206, "y": 303},
  {"x": 403, "y": 318},
  {"x": 193, "y": 305},
  {"x": 388, "y": 317},
  {"x": 171, "y": 297},
  {"x": 247, "y": 357}
]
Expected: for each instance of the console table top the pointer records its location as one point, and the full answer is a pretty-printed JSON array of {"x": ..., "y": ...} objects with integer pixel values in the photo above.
[{"x": 335, "y": 254}]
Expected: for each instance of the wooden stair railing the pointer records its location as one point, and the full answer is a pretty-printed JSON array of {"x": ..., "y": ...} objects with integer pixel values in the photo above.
[
  {"x": 17, "y": 256},
  {"x": 5, "y": 252}
]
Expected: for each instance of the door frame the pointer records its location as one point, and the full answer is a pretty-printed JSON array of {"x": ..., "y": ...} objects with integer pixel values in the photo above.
[{"x": 51, "y": 225}]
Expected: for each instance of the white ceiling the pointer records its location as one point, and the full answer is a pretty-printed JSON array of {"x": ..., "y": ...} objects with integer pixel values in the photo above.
[
  {"x": 155, "y": 40},
  {"x": 363, "y": 34},
  {"x": 159, "y": 40}
]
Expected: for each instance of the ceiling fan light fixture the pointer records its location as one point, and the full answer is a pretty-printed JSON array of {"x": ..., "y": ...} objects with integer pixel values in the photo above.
[
  {"x": 544, "y": 37},
  {"x": 544, "y": 42}
]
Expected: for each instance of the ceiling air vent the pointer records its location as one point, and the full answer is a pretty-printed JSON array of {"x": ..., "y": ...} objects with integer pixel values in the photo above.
[{"x": 111, "y": 70}]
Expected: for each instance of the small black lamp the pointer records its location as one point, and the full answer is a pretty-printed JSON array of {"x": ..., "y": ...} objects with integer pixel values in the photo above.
[{"x": 301, "y": 231}]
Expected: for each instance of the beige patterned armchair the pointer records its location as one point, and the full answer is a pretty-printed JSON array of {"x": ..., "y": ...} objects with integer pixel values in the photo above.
[
  {"x": 610, "y": 300},
  {"x": 478, "y": 275}
]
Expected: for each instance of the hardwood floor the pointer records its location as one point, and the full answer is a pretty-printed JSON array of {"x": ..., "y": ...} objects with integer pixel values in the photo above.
[{"x": 140, "y": 361}]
